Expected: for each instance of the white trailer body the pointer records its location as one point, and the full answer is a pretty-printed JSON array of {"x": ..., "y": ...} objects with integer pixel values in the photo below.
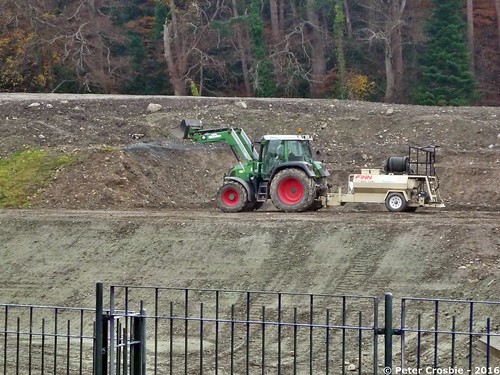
[{"x": 399, "y": 192}]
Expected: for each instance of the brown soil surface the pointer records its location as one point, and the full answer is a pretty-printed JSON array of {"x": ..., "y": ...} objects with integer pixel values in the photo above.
[{"x": 137, "y": 208}]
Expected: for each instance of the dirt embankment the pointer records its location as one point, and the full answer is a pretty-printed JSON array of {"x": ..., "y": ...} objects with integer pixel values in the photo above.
[
  {"x": 128, "y": 159},
  {"x": 157, "y": 224}
]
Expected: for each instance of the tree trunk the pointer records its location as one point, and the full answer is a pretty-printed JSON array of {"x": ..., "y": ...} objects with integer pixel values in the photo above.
[
  {"x": 176, "y": 77},
  {"x": 275, "y": 27},
  {"x": 394, "y": 64},
  {"x": 318, "y": 60},
  {"x": 243, "y": 54},
  {"x": 281, "y": 19},
  {"x": 470, "y": 31},
  {"x": 347, "y": 14}
]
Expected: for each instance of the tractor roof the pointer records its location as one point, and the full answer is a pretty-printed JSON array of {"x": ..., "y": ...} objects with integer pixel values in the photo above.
[{"x": 281, "y": 137}]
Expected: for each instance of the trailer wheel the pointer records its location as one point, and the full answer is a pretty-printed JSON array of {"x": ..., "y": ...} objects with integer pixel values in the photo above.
[
  {"x": 231, "y": 197},
  {"x": 395, "y": 202},
  {"x": 292, "y": 190}
]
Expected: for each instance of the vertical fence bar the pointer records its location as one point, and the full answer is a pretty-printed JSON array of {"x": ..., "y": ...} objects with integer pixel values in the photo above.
[
  {"x": 279, "y": 333},
  {"x": 403, "y": 333},
  {"x": 80, "y": 363},
  {"x": 419, "y": 339},
  {"x": 30, "y": 350},
  {"x": 56, "y": 313},
  {"x": 232, "y": 339},
  {"x": 201, "y": 339},
  {"x": 43, "y": 347},
  {"x": 98, "y": 342},
  {"x": 388, "y": 331},
  {"x": 186, "y": 330},
  {"x": 112, "y": 332},
  {"x": 68, "y": 347},
  {"x": 360, "y": 341},
  {"x": 311, "y": 322},
  {"x": 126, "y": 347},
  {"x": 436, "y": 329},
  {"x": 6, "y": 316},
  {"x": 344, "y": 307},
  {"x": 247, "y": 334},
  {"x": 171, "y": 343},
  {"x": 138, "y": 348},
  {"x": 471, "y": 336},
  {"x": 327, "y": 343},
  {"x": 156, "y": 331},
  {"x": 263, "y": 360},
  {"x": 217, "y": 332},
  {"x": 488, "y": 342},
  {"x": 375, "y": 336},
  {"x": 295, "y": 331},
  {"x": 453, "y": 334},
  {"x": 18, "y": 337}
]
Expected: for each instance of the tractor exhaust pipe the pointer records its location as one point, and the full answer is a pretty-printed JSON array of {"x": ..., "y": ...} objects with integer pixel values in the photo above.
[{"x": 183, "y": 130}]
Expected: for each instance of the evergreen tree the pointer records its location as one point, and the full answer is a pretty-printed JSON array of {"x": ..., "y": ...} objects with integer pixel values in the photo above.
[{"x": 446, "y": 77}]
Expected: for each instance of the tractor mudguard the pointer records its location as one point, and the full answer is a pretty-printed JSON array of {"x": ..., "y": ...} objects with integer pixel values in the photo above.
[
  {"x": 293, "y": 164},
  {"x": 245, "y": 184}
]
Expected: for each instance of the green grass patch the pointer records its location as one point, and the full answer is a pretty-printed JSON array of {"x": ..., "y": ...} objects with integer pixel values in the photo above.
[{"x": 25, "y": 173}]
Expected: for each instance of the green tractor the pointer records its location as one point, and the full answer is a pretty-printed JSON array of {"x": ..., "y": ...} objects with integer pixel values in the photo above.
[{"x": 283, "y": 169}]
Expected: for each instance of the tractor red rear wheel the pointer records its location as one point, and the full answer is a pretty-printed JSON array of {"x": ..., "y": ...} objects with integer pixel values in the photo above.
[
  {"x": 293, "y": 190},
  {"x": 231, "y": 197}
]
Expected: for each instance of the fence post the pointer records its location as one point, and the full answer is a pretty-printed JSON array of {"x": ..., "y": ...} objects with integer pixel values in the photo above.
[
  {"x": 138, "y": 349},
  {"x": 389, "y": 331},
  {"x": 99, "y": 330}
]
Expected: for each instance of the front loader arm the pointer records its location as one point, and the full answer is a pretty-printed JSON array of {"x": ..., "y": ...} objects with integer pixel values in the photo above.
[{"x": 236, "y": 138}]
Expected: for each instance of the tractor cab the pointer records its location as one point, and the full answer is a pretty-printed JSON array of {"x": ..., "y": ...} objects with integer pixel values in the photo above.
[{"x": 279, "y": 149}]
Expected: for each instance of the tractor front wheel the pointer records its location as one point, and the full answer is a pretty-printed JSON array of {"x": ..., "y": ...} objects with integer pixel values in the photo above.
[
  {"x": 231, "y": 197},
  {"x": 292, "y": 190}
]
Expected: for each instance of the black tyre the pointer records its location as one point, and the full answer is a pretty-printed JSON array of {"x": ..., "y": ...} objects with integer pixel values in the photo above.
[
  {"x": 231, "y": 197},
  {"x": 395, "y": 202},
  {"x": 315, "y": 206},
  {"x": 292, "y": 190},
  {"x": 252, "y": 206}
]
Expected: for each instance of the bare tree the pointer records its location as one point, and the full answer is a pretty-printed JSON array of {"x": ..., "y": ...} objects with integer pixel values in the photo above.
[{"x": 386, "y": 27}]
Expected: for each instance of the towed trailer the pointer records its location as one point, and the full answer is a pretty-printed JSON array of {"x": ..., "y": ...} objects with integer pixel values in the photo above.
[{"x": 404, "y": 184}]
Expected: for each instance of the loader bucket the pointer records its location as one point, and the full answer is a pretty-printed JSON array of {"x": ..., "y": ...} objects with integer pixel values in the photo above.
[{"x": 182, "y": 131}]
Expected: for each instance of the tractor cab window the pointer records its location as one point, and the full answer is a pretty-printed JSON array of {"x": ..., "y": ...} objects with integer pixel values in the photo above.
[
  {"x": 278, "y": 151},
  {"x": 299, "y": 151}
]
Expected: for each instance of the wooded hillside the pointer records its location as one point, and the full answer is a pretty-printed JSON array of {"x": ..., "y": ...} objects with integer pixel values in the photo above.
[{"x": 443, "y": 52}]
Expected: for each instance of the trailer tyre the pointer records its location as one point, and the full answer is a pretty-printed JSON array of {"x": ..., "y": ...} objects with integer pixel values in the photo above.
[
  {"x": 292, "y": 190},
  {"x": 231, "y": 197},
  {"x": 395, "y": 202}
]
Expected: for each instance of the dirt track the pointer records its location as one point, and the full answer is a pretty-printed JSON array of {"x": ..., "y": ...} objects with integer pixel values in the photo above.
[
  {"x": 156, "y": 223},
  {"x": 59, "y": 256}
]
